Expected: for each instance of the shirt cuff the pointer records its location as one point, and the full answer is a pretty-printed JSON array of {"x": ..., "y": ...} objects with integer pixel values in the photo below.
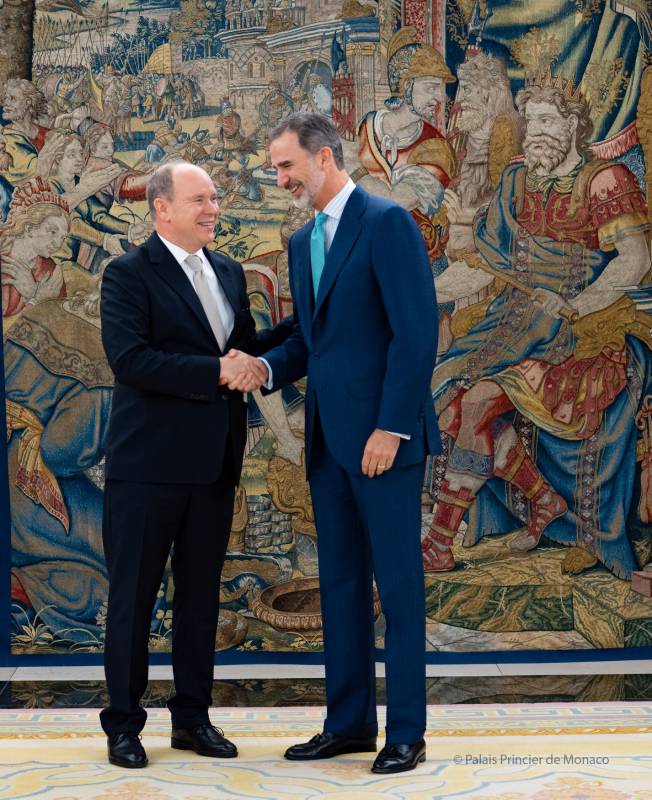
[
  {"x": 270, "y": 375},
  {"x": 400, "y": 435}
]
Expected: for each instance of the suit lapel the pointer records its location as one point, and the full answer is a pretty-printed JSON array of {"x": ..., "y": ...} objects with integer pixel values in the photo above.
[
  {"x": 348, "y": 230},
  {"x": 227, "y": 278},
  {"x": 305, "y": 298},
  {"x": 172, "y": 273}
]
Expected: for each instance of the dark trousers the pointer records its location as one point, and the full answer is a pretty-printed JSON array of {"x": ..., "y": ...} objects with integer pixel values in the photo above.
[
  {"x": 370, "y": 527},
  {"x": 141, "y": 523}
]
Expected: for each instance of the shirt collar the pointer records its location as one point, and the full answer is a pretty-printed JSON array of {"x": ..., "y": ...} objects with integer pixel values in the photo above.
[
  {"x": 335, "y": 205},
  {"x": 179, "y": 253}
]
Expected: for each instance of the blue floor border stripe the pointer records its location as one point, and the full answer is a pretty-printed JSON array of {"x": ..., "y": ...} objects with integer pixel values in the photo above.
[{"x": 251, "y": 658}]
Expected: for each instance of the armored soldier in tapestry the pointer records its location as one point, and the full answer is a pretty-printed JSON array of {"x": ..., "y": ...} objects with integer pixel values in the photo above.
[{"x": 518, "y": 136}]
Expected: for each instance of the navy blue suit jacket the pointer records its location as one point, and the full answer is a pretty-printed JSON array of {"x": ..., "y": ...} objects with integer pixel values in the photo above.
[{"x": 368, "y": 343}]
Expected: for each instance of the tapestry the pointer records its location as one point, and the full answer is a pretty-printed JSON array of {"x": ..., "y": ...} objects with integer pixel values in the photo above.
[{"x": 517, "y": 135}]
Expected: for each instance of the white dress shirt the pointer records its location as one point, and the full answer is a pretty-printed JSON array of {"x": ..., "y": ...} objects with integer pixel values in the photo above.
[
  {"x": 223, "y": 306},
  {"x": 333, "y": 210}
]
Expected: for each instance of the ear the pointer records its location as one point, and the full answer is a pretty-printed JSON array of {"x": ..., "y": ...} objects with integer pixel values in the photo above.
[
  {"x": 161, "y": 208},
  {"x": 573, "y": 122},
  {"x": 326, "y": 156}
]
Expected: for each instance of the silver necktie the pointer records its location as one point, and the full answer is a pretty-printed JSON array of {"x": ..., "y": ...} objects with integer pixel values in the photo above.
[{"x": 206, "y": 298}]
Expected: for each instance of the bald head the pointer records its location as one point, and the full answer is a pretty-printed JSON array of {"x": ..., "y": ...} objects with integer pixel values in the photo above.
[
  {"x": 161, "y": 182},
  {"x": 183, "y": 204}
]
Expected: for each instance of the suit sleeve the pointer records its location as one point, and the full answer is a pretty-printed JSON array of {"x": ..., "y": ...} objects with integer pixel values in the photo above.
[
  {"x": 288, "y": 361},
  {"x": 402, "y": 270},
  {"x": 272, "y": 337},
  {"x": 125, "y": 335}
]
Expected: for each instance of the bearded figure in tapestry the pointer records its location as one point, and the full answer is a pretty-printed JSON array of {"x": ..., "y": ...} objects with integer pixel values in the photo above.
[{"x": 540, "y": 397}]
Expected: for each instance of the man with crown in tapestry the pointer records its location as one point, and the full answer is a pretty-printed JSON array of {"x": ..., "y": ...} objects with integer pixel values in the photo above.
[
  {"x": 540, "y": 397},
  {"x": 403, "y": 155}
]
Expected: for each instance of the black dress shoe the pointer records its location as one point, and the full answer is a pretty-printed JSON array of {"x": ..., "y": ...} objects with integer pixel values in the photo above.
[
  {"x": 327, "y": 745},
  {"x": 125, "y": 750},
  {"x": 399, "y": 757},
  {"x": 205, "y": 740}
]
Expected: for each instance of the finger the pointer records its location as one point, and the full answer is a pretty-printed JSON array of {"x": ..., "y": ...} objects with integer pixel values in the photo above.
[
  {"x": 258, "y": 375},
  {"x": 260, "y": 370},
  {"x": 372, "y": 469},
  {"x": 365, "y": 463},
  {"x": 247, "y": 384},
  {"x": 242, "y": 381}
]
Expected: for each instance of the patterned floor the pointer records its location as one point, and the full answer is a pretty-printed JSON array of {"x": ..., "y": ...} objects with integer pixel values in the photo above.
[{"x": 543, "y": 751}]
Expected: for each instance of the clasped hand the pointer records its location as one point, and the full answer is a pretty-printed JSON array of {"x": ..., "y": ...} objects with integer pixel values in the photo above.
[{"x": 242, "y": 373}]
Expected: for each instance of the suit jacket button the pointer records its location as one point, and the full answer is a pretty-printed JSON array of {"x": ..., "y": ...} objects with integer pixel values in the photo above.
[{"x": 224, "y": 396}]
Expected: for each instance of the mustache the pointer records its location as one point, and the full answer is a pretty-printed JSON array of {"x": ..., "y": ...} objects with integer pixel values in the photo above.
[{"x": 554, "y": 143}]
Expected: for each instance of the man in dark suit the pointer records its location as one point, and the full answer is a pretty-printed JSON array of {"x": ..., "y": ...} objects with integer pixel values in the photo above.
[
  {"x": 170, "y": 311},
  {"x": 365, "y": 333}
]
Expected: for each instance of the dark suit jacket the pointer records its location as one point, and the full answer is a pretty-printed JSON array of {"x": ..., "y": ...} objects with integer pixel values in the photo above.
[
  {"x": 368, "y": 343},
  {"x": 170, "y": 419}
]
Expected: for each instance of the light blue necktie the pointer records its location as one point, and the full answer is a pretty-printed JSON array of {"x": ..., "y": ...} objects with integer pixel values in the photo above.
[{"x": 318, "y": 250}]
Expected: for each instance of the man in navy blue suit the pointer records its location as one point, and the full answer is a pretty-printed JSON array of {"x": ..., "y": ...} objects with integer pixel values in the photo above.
[{"x": 365, "y": 334}]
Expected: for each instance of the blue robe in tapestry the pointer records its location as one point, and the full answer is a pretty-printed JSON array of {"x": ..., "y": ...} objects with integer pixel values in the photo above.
[{"x": 56, "y": 369}]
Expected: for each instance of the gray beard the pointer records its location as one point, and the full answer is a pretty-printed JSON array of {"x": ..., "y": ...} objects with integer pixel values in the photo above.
[
  {"x": 471, "y": 119},
  {"x": 475, "y": 185},
  {"x": 545, "y": 153}
]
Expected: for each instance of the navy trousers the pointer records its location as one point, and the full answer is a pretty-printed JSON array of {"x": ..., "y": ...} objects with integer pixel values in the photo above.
[{"x": 370, "y": 527}]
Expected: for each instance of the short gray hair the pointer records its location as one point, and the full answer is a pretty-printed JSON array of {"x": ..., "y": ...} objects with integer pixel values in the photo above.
[
  {"x": 313, "y": 131},
  {"x": 161, "y": 184}
]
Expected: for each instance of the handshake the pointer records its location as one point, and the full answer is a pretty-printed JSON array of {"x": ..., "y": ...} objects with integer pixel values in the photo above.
[{"x": 241, "y": 372}]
